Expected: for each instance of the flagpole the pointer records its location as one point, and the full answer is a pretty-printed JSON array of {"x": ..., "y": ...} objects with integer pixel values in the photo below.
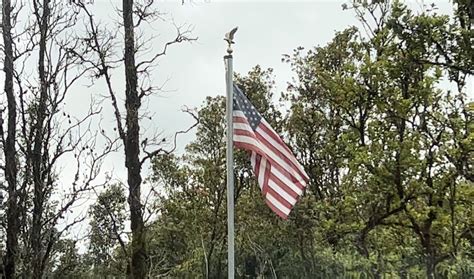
[{"x": 230, "y": 155}]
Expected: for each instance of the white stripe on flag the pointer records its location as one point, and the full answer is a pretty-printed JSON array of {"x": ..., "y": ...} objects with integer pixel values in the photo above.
[
  {"x": 286, "y": 181},
  {"x": 269, "y": 153},
  {"x": 242, "y": 126},
  {"x": 253, "y": 159},
  {"x": 281, "y": 192},
  {"x": 280, "y": 148},
  {"x": 239, "y": 113},
  {"x": 261, "y": 172},
  {"x": 278, "y": 204}
]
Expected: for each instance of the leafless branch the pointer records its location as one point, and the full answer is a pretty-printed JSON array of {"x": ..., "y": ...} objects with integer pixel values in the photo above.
[
  {"x": 181, "y": 36},
  {"x": 150, "y": 155}
]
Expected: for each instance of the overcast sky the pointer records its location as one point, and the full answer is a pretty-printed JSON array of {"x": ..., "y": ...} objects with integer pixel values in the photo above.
[
  {"x": 267, "y": 29},
  {"x": 196, "y": 70}
]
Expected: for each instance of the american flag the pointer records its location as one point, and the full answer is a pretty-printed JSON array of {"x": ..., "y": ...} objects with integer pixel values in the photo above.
[{"x": 280, "y": 177}]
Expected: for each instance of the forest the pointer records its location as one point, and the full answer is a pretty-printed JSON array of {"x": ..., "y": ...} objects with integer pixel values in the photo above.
[{"x": 380, "y": 117}]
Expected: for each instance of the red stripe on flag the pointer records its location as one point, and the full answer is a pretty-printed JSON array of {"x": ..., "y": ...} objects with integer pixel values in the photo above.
[
  {"x": 252, "y": 141},
  {"x": 275, "y": 209},
  {"x": 279, "y": 198},
  {"x": 246, "y": 133},
  {"x": 272, "y": 161},
  {"x": 265, "y": 127},
  {"x": 275, "y": 150},
  {"x": 282, "y": 185},
  {"x": 257, "y": 164},
  {"x": 287, "y": 174},
  {"x": 273, "y": 135},
  {"x": 239, "y": 119}
]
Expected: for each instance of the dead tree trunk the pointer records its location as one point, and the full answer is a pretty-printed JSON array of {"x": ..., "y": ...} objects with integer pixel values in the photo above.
[
  {"x": 132, "y": 147},
  {"x": 102, "y": 42},
  {"x": 9, "y": 145},
  {"x": 37, "y": 156}
]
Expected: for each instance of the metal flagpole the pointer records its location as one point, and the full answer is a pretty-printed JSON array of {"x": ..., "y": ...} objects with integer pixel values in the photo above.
[{"x": 230, "y": 156}]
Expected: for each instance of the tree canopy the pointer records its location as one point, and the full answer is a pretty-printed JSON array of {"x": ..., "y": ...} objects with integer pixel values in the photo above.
[{"x": 380, "y": 118}]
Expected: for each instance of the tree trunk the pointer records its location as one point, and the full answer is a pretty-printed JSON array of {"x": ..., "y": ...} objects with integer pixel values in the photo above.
[
  {"x": 132, "y": 151},
  {"x": 9, "y": 146},
  {"x": 37, "y": 156},
  {"x": 430, "y": 267},
  {"x": 430, "y": 259}
]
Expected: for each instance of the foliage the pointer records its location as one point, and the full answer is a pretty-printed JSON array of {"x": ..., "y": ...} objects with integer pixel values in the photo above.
[
  {"x": 380, "y": 119},
  {"x": 107, "y": 229},
  {"x": 387, "y": 146}
]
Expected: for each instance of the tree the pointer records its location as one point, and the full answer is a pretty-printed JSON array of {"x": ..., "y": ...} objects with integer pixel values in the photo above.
[
  {"x": 9, "y": 144},
  {"x": 45, "y": 137},
  {"x": 107, "y": 229},
  {"x": 70, "y": 264},
  {"x": 41, "y": 132},
  {"x": 191, "y": 228},
  {"x": 102, "y": 43},
  {"x": 380, "y": 135},
  {"x": 132, "y": 146},
  {"x": 387, "y": 144}
]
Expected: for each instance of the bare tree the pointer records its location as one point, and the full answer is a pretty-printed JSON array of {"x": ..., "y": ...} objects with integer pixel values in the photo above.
[
  {"x": 9, "y": 147},
  {"x": 102, "y": 42},
  {"x": 41, "y": 132},
  {"x": 132, "y": 146}
]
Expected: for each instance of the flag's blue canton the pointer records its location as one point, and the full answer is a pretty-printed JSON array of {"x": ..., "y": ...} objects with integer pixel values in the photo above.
[{"x": 243, "y": 104}]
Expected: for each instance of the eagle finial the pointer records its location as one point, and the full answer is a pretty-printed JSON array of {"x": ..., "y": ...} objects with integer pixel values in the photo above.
[{"x": 229, "y": 38}]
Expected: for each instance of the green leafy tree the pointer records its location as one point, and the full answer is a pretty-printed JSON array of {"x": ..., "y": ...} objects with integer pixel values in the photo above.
[
  {"x": 107, "y": 236},
  {"x": 387, "y": 145},
  {"x": 378, "y": 135},
  {"x": 192, "y": 224},
  {"x": 70, "y": 264}
]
